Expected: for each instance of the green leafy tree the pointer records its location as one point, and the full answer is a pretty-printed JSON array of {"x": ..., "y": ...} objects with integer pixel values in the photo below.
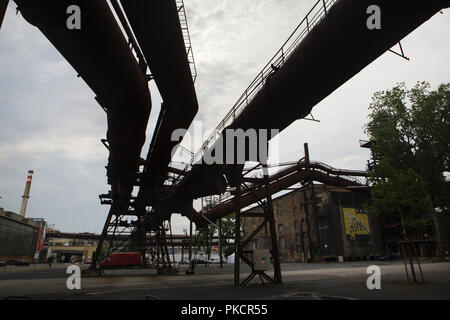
[
  {"x": 228, "y": 228},
  {"x": 228, "y": 233},
  {"x": 400, "y": 194},
  {"x": 203, "y": 238},
  {"x": 411, "y": 130}
]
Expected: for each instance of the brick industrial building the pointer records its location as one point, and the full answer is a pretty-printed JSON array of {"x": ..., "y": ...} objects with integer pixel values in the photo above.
[{"x": 334, "y": 226}]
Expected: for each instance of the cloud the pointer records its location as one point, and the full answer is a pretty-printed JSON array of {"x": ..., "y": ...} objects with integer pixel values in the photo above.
[{"x": 49, "y": 123}]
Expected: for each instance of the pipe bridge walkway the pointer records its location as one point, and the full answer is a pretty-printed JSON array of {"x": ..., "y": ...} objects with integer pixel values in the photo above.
[{"x": 307, "y": 24}]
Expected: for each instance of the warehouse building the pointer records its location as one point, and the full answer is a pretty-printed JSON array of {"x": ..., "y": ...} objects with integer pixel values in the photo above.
[
  {"x": 320, "y": 223},
  {"x": 20, "y": 238}
]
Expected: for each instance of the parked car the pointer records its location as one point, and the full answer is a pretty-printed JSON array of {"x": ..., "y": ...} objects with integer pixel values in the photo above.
[
  {"x": 214, "y": 260},
  {"x": 3, "y": 264},
  {"x": 122, "y": 259},
  {"x": 183, "y": 262}
]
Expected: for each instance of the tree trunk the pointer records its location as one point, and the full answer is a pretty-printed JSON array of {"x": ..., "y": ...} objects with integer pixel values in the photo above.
[{"x": 439, "y": 248}]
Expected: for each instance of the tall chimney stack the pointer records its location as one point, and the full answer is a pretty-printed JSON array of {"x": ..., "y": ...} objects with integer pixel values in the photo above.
[{"x": 26, "y": 193}]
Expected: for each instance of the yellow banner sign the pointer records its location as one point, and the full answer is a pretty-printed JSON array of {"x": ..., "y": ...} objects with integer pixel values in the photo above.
[{"x": 356, "y": 224}]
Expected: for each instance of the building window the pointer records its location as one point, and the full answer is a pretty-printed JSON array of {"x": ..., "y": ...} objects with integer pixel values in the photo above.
[
  {"x": 278, "y": 207},
  {"x": 296, "y": 225},
  {"x": 280, "y": 228},
  {"x": 295, "y": 211},
  {"x": 282, "y": 245}
]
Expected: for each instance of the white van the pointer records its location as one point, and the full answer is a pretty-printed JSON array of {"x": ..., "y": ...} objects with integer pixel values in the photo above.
[{"x": 214, "y": 260}]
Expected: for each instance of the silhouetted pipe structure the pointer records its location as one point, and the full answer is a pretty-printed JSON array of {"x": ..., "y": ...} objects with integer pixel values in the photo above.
[
  {"x": 332, "y": 52},
  {"x": 279, "y": 182},
  {"x": 157, "y": 28},
  {"x": 3, "y": 7},
  {"x": 335, "y": 50},
  {"x": 101, "y": 56}
]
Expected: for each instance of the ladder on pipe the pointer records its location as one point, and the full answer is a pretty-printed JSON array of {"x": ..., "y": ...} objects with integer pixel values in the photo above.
[{"x": 186, "y": 36}]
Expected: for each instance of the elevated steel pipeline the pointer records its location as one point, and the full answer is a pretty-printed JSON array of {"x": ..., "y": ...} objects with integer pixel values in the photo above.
[
  {"x": 101, "y": 56},
  {"x": 157, "y": 28},
  {"x": 279, "y": 182},
  {"x": 335, "y": 50}
]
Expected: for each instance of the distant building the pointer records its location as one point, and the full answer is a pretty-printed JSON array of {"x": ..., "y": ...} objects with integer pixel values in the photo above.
[
  {"x": 76, "y": 248},
  {"x": 20, "y": 238},
  {"x": 333, "y": 226}
]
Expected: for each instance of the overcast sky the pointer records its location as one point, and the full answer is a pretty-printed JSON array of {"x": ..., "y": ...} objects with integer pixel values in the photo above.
[{"x": 50, "y": 122}]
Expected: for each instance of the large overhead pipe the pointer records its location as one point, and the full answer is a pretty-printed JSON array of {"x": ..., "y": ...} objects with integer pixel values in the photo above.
[
  {"x": 101, "y": 56},
  {"x": 157, "y": 27},
  {"x": 3, "y": 7},
  {"x": 335, "y": 50},
  {"x": 279, "y": 182}
]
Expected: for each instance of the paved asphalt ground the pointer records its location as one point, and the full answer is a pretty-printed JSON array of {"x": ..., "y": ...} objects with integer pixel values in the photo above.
[{"x": 300, "y": 282}]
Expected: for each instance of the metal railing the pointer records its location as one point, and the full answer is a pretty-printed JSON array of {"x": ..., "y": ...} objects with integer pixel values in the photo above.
[
  {"x": 187, "y": 38},
  {"x": 343, "y": 172},
  {"x": 314, "y": 16}
]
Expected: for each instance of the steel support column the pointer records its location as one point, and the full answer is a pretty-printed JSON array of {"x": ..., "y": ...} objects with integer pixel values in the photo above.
[
  {"x": 273, "y": 230},
  {"x": 104, "y": 235},
  {"x": 269, "y": 217},
  {"x": 191, "y": 267},
  {"x": 220, "y": 244},
  {"x": 237, "y": 236},
  {"x": 312, "y": 200},
  {"x": 308, "y": 223}
]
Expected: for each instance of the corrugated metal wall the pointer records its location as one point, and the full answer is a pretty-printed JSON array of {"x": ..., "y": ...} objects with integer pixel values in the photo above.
[{"x": 16, "y": 239}]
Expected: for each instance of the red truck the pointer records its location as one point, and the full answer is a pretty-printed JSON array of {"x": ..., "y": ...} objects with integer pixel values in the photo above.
[{"x": 121, "y": 259}]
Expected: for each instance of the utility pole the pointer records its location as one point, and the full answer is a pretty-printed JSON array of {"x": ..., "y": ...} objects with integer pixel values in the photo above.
[{"x": 237, "y": 237}]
